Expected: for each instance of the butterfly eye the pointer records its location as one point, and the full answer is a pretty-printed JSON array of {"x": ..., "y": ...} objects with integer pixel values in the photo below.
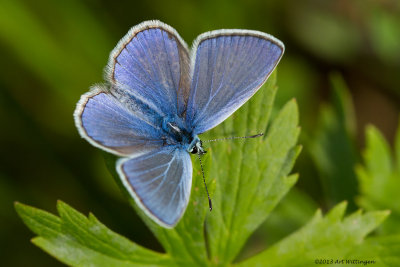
[{"x": 194, "y": 150}]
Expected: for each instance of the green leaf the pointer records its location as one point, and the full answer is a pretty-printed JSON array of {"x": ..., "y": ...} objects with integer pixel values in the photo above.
[
  {"x": 385, "y": 250},
  {"x": 252, "y": 176},
  {"x": 330, "y": 237},
  {"x": 247, "y": 179},
  {"x": 83, "y": 241},
  {"x": 295, "y": 209},
  {"x": 332, "y": 146},
  {"x": 379, "y": 178},
  {"x": 291, "y": 214}
]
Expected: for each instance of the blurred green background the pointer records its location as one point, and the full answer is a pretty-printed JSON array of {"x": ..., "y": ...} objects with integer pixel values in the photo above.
[{"x": 342, "y": 64}]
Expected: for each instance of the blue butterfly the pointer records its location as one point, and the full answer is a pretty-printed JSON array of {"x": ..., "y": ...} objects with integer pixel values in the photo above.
[{"x": 160, "y": 96}]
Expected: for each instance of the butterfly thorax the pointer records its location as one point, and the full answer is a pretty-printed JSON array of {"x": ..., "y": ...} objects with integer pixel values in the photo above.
[{"x": 178, "y": 134}]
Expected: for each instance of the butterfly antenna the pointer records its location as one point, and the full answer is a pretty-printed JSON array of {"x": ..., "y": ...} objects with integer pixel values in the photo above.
[
  {"x": 204, "y": 180},
  {"x": 234, "y": 137}
]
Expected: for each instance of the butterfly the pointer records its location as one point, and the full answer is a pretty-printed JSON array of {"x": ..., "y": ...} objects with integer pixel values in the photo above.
[{"x": 160, "y": 96}]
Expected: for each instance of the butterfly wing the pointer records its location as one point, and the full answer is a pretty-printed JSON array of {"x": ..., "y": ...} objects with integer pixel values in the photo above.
[
  {"x": 148, "y": 72},
  {"x": 160, "y": 183},
  {"x": 229, "y": 66},
  {"x": 151, "y": 64},
  {"x": 116, "y": 127}
]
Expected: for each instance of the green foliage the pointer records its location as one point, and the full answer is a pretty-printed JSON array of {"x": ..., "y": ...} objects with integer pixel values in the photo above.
[
  {"x": 385, "y": 250},
  {"x": 256, "y": 172},
  {"x": 52, "y": 51},
  {"x": 329, "y": 237},
  {"x": 83, "y": 241},
  {"x": 246, "y": 180},
  {"x": 332, "y": 146},
  {"x": 379, "y": 178},
  {"x": 295, "y": 210},
  {"x": 338, "y": 38},
  {"x": 27, "y": 36}
]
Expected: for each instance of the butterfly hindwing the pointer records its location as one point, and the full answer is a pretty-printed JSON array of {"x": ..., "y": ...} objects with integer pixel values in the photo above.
[
  {"x": 160, "y": 183},
  {"x": 229, "y": 66}
]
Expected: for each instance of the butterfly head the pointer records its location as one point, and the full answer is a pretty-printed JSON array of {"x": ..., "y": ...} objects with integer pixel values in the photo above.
[{"x": 196, "y": 146}]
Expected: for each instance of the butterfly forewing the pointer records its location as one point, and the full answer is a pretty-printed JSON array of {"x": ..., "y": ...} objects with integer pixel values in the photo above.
[
  {"x": 152, "y": 63},
  {"x": 229, "y": 66}
]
